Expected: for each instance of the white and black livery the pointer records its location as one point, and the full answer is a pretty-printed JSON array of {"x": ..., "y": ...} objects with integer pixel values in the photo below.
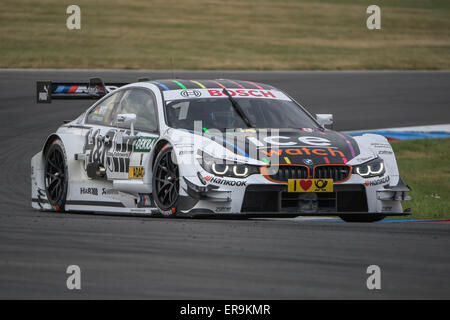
[{"x": 214, "y": 148}]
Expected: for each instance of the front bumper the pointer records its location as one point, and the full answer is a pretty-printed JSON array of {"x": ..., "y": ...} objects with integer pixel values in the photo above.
[
  {"x": 275, "y": 198},
  {"x": 272, "y": 199}
]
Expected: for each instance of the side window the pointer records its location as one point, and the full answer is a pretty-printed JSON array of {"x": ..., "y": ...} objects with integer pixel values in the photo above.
[
  {"x": 142, "y": 103},
  {"x": 103, "y": 113}
]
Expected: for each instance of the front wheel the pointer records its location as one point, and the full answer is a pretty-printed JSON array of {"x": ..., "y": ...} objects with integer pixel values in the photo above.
[
  {"x": 361, "y": 218},
  {"x": 166, "y": 182},
  {"x": 56, "y": 175}
]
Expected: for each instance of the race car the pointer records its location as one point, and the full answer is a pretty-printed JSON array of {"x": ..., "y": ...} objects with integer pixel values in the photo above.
[{"x": 209, "y": 148}]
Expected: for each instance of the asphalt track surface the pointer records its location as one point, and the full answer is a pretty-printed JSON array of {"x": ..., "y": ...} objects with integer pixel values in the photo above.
[{"x": 129, "y": 257}]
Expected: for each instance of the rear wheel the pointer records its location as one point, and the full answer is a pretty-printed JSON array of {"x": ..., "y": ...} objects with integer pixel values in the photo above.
[
  {"x": 56, "y": 175},
  {"x": 166, "y": 182},
  {"x": 362, "y": 218}
]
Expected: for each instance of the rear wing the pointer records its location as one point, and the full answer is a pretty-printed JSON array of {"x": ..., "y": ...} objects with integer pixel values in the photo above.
[{"x": 94, "y": 89}]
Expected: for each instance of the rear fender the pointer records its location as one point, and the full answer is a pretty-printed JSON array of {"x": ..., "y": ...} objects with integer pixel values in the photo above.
[
  {"x": 38, "y": 195},
  {"x": 73, "y": 140}
]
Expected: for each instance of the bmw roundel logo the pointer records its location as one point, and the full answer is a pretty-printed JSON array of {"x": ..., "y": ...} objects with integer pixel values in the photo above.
[
  {"x": 308, "y": 162},
  {"x": 190, "y": 93}
]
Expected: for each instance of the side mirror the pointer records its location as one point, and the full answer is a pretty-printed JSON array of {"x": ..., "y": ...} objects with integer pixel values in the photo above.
[
  {"x": 324, "y": 119},
  {"x": 127, "y": 119}
]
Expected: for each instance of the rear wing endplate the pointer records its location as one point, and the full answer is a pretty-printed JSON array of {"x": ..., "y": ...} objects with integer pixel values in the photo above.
[{"x": 95, "y": 89}]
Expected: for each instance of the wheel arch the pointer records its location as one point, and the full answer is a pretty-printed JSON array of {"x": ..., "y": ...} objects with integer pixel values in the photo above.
[
  {"x": 161, "y": 147},
  {"x": 73, "y": 142},
  {"x": 48, "y": 142},
  {"x": 54, "y": 141},
  {"x": 158, "y": 147}
]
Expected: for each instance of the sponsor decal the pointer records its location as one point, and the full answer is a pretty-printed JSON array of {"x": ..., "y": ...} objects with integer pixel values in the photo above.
[
  {"x": 119, "y": 154},
  {"x": 186, "y": 152},
  {"x": 222, "y": 209},
  {"x": 117, "y": 161},
  {"x": 315, "y": 141},
  {"x": 113, "y": 150},
  {"x": 305, "y": 151},
  {"x": 190, "y": 93},
  {"x": 385, "y": 152},
  {"x": 381, "y": 145},
  {"x": 242, "y": 93},
  {"x": 145, "y": 200},
  {"x": 377, "y": 182},
  {"x": 386, "y": 209},
  {"x": 71, "y": 89},
  {"x": 310, "y": 185},
  {"x": 308, "y": 162},
  {"x": 90, "y": 191},
  {"x": 96, "y": 145},
  {"x": 136, "y": 173},
  {"x": 101, "y": 110},
  {"x": 41, "y": 196},
  {"x": 144, "y": 144},
  {"x": 224, "y": 182},
  {"x": 170, "y": 95},
  {"x": 108, "y": 192},
  {"x": 284, "y": 141}
]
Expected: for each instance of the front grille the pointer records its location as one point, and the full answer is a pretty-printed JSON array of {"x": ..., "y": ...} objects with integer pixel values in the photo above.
[
  {"x": 338, "y": 173},
  {"x": 286, "y": 172}
]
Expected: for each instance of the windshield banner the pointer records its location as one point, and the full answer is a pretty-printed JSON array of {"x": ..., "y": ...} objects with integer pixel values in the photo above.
[{"x": 218, "y": 93}]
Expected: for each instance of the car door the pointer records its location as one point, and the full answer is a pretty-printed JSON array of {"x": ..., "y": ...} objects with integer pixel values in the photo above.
[
  {"x": 99, "y": 137},
  {"x": 127, "y": 154}
]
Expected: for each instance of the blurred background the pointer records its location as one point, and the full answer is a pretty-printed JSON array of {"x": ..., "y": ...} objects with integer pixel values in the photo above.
[{"x": 235, "y": 34}]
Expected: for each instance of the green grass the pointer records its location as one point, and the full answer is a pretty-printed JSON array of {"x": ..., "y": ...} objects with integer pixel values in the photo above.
[
  {"x": 425, "y": 166},
  {"x": 235, "y": 34}
]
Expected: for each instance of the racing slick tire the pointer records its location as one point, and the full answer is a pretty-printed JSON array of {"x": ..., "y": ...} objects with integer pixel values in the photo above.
[
  {"x": 362, "y": 218},
  {"x": 166, "y": 182},
  {"x": 56, "y": 175}
]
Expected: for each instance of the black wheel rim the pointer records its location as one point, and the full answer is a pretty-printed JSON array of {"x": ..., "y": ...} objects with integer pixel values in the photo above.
[
  {"x": 167, "y": 181},
  {"x": 55, "y": 173}
]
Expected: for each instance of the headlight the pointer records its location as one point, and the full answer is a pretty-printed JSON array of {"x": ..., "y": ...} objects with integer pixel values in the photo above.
[
  {"x": 220, "y": 167},
  {"x": 372, "y": 168}
]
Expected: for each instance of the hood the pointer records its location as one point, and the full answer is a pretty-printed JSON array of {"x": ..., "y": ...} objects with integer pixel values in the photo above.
[{"x": 288, "y": 146}]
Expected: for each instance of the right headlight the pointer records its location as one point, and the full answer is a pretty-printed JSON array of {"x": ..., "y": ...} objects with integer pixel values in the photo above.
[
  {"x": 372, "y": 168},
  {"x": 222, "y": 168}
]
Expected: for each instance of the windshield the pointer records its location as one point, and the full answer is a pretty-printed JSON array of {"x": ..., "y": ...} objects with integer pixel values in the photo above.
[{"x": 219, "y": 113}]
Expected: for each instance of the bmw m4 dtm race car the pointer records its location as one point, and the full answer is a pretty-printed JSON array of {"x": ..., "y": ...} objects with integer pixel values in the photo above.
[{"x": 226, "y": 148}]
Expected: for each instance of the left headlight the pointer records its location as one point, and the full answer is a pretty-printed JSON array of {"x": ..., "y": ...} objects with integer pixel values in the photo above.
[
  {"x": 372, "y": 168},
  {"x": 220, "y": 167}
]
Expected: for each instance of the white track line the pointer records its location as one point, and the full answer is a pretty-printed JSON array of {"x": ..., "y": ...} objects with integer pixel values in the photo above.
[{"x": 426, "y": 128}]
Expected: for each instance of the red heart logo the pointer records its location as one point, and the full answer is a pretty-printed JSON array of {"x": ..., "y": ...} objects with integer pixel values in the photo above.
[
  {"x": 367, "y": 183},
  {"x": 305, "y": 184}
]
